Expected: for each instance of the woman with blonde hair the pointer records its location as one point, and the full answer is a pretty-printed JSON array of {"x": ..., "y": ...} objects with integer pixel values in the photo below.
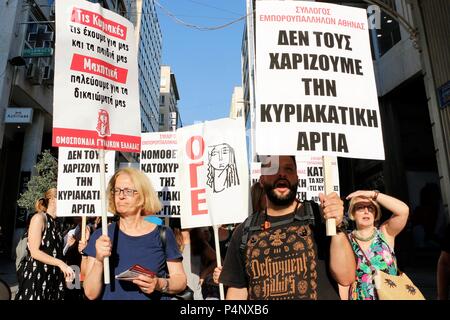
[
  {"x": 132, "y": 240},
  {"x": 373, "y": 246},
  {"x": 43, "y": 271}
]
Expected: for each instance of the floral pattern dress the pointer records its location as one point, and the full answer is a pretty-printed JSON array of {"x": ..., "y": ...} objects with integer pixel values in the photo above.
[{"x": 381, "y": 258}]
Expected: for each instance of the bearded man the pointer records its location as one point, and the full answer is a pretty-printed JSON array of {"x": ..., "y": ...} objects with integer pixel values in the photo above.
[{"x": 283, "y": 252}]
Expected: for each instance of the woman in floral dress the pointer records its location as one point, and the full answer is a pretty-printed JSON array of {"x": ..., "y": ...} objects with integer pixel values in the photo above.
[{"x": 371, "y": 242}]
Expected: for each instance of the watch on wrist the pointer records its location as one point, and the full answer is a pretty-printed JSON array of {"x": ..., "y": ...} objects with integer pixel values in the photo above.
[
  {"x": 375, "y": 195},
  {"x": 166, "y": 286}
]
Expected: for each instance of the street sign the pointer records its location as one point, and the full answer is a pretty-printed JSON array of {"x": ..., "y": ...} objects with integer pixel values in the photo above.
[
  {"x": 37, "y": 52},
  {"x": 19, "y": 115}
]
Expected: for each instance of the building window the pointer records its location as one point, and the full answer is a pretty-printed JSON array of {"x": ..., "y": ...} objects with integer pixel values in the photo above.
[
  {"x": 389, "y": 33},
  {"x": 161, "y": 119}
]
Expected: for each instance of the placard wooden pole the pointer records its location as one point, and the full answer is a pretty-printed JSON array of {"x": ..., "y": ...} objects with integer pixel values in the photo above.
[
  {"x": 83, "y": 229},
  {"x": 328, "y": 186},
  {"x": 218, "y": 258},
  {"x": 101, "y": 157}
]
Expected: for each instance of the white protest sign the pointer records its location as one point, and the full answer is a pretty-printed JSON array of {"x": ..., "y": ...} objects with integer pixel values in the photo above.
[
  {"x": 96, "y": 94},
  {"x": 310, "y": 176},
  {"x": 159, "y": 162},
  {"x": 213, "y": 173},
  {"x": 79, "y": 181},
  {"x": 315, "y": 84}
]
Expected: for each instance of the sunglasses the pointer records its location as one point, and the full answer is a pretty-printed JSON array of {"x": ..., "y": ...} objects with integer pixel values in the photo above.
[{"x": 370, "y": 207}]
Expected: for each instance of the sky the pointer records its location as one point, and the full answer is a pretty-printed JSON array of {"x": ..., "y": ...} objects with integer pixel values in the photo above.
[{"x": 206, "y": 64}]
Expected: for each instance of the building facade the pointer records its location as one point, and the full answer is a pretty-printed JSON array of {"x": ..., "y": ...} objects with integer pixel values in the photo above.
[
  {"x": 26, "y": 99},
  {"x": 149, "y": 39},
  {"x": 26, "y": 87},
  {"x": 169, "y": 115},
  {"x": 237, "y": 105}
]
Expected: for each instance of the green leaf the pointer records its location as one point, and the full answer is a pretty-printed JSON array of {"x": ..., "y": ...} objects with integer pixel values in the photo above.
[{"x": 45, "y": 178}]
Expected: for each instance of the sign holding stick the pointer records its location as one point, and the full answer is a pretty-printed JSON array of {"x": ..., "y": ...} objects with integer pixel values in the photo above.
[
  {"x": 328, "y": 184},
  {"x": 106, "y": 272},
  {"x": 218, "y": 258},
  {"x": 83, "y": 229}
]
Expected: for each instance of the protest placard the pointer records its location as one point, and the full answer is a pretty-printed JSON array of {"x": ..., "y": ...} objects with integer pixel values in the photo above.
[
  {"x": 159, "y": 162},
  {"x": 96, "y": 93},
  {"x": 315, "y": 84},
  {"x": 79, "y": 181},
  {"x": 213, "y": 173}
]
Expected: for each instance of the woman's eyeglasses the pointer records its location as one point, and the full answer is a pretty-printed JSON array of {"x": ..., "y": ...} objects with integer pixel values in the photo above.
[
  {"x": 126, "y": 191},
  {"x": 360, "y": 207}
]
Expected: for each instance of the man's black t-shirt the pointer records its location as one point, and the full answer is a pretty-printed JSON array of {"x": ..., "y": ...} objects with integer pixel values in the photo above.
[{"x": 285, "y": 262}]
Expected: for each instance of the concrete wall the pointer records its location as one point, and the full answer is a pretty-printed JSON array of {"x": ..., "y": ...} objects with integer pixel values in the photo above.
[{"x": 401, "y": 62}]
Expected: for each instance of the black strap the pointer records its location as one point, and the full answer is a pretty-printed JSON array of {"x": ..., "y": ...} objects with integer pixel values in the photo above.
[
  {"x": 249, "y": 226},
  {"x": 163, "y": 236},
  {"x": 113, "y": 259}
]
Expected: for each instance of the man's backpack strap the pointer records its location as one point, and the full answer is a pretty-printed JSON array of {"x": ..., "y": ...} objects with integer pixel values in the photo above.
[
  {"x": 250, "y": 225},
  {"x": 163, "y": 235},
  {"x": 308, "y": 216}
]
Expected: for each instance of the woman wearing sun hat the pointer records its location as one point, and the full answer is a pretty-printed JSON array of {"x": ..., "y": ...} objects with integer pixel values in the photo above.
[{"x": 372, "y": 242}]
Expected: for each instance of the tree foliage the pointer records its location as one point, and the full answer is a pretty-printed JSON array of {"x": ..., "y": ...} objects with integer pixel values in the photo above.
[{"x": 45, "y": 178}]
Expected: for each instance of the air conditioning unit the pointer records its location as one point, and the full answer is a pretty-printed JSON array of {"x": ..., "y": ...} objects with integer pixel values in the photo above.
[
  {"x": 48, "y": 75},
  {"x": 34, "y": 74}
]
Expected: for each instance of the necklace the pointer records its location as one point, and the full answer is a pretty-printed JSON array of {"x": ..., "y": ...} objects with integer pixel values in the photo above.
[{"x": 355, "y": 233}]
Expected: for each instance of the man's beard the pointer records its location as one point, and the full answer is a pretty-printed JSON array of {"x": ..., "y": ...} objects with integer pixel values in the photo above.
[{"x": 281, "y": 200}]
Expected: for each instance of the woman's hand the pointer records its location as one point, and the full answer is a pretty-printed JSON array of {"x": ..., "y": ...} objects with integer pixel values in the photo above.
[
  {"x": 103, "y": 247},
  {"x": 216, "y": 274},
  {"x": 71, "y": 240},
  {"x": 146, "y": 284},
  {"x": 69, "y": 274},
  {"x": 370, "y": 194},
  {"x": 81, "y": 246}
]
